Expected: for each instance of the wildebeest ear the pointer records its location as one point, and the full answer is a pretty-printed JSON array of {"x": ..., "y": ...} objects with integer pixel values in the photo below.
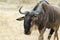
[
  {"x": 45, "y": 6},
  {"x": 20, "y": 19}
]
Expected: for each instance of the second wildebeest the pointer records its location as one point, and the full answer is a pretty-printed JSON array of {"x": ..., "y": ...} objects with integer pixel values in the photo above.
[{"x": 46, "y": 17}]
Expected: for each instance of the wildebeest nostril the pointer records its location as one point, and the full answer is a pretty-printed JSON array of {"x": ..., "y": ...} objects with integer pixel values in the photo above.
[{"x": 27, "y": 33}]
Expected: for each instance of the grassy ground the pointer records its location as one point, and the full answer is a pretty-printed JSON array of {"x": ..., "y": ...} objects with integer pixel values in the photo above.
[{"x": 10, "y": 28}]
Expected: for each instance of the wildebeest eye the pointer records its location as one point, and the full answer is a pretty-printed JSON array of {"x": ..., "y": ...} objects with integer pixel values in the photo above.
[{"x": 36, "y": 15}]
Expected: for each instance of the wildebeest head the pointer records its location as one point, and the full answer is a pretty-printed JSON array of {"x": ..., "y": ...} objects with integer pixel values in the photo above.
[
  {"x": 32, "y": 18},
  {"x": 27, "y": 20}
]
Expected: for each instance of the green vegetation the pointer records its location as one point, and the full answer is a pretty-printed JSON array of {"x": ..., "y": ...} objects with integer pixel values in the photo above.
[{"x": 3, "y": 0}]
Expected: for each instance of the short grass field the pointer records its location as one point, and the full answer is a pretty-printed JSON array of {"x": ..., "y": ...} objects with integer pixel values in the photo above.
[{"x": 11, "y": 29}]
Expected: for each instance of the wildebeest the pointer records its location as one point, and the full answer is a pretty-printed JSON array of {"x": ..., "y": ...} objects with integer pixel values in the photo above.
[{"x": 45, "y": 16}]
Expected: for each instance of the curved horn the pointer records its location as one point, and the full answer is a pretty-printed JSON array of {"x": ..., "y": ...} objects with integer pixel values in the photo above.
[{"x": 20, "y": 10}]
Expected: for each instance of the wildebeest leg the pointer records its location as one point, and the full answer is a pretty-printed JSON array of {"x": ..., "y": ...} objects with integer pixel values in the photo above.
[
  {"x": 41, "y": 33},
  {"x": 50, "y": 34},
  {"x": 56, "y": 33}
]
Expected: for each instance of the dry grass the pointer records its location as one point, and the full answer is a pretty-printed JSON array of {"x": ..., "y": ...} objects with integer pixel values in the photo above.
[{"x": 10, "y": 28}]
